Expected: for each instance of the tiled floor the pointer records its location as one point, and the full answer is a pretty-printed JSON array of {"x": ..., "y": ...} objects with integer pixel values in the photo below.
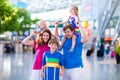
[{"x": 19, "y": 66}]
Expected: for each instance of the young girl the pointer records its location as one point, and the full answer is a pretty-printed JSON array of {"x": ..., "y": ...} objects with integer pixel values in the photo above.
[
  {"x": 74, "y": 20},
  {"x": 40, "y": 45},
  {"x": 52, "y": 62}
]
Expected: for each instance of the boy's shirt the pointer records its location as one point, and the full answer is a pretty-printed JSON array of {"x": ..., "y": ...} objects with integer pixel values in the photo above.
[{"x": 52, "y": 60}]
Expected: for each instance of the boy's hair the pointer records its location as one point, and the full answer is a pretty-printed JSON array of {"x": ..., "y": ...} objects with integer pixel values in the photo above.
[
  {"x": 68, "y": 26},
  {"x": 54, "y": 41}
]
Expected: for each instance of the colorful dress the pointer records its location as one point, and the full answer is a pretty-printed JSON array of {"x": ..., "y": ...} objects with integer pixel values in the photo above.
[
  {"x": 38, "y": 60},
  {"x": 76, "y": 28},
  {"x": 52, "y": 64}
]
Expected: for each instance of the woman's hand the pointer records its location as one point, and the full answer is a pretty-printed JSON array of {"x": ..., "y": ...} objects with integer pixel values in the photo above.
[{"x": 34, "y": 33}]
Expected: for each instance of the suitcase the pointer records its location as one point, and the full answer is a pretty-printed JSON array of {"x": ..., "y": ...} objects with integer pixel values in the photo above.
[
  {"x": 51, "y": 73},
  {"x": 99, "y": 53},
  {"x": 112, "y": 54},
  {"x": 89, "y": 52}
]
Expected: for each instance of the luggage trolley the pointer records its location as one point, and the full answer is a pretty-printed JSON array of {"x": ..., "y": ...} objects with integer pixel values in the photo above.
[{"x": 51, "y": 71}]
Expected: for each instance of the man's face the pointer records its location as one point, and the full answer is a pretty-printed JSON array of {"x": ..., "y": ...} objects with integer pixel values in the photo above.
[{"x": 68, "y": 33}]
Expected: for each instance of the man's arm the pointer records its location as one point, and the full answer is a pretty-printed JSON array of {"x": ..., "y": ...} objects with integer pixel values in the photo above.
[
  {"x": 84, "y": 34},
  {"x": 56, "y": 30}
]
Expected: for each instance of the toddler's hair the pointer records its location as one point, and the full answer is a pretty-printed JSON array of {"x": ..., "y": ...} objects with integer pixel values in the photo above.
[{"x": 42, "y": 22}]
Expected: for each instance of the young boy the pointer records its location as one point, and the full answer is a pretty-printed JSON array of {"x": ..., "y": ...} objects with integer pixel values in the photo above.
[
  {"x": 52, "y": 65},
  {"x": 42, "y": 25}
]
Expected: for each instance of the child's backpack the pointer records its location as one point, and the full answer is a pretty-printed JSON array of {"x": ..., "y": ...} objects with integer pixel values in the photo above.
[{"x": 112, "y": 54}]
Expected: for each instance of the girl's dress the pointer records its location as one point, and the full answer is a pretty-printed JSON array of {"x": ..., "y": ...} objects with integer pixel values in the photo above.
[
  {"x": 76, "y": 28},
  {"x": 38, "y": 60}
]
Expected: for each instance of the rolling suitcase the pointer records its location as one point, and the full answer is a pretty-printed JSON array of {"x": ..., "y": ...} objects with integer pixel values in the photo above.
[
  {"x": 51, "y": 73},
  {"x": 89, "y": 52}
]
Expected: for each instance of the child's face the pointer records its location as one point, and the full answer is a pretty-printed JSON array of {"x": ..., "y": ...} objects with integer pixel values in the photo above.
[
  {"x": 72, "y": 10},
  {"x": 53, "y": 47},
  {"x": 43, "y": 25}
]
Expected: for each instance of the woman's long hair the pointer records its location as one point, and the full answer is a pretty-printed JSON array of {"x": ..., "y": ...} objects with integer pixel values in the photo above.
[{"x": 40, "y": 40}]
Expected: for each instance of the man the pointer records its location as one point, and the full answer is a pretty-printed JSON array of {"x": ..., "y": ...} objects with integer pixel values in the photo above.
[{"x": 73, "y": 60}]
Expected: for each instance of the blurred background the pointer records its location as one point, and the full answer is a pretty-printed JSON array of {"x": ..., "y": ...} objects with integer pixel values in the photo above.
[{"x": 18, "y": 18}]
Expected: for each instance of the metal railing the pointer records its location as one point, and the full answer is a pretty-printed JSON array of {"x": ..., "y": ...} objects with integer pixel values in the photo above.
[
  {"x": 117, "y": 31},
  {"x": 108, "y": 16}
]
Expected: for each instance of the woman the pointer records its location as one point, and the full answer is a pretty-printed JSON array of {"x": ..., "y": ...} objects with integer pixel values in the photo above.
[
  {"x": 117, "y": 51},
  {"x": 40, "y": 45}
]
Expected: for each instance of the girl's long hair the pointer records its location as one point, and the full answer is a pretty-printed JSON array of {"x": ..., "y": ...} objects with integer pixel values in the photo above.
[
  {"x": 75, "y": 9},
  {"x": 40, "y": 40}
]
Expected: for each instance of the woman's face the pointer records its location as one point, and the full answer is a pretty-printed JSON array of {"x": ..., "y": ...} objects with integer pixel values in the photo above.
[{"x": 45, "y": 36}]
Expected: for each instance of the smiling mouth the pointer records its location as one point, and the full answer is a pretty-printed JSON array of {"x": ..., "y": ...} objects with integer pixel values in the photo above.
[{"x": 53, "y": 48}]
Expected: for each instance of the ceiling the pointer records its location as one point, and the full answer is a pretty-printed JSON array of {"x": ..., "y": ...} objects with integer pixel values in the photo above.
[{"x": 36, "y": 6}]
